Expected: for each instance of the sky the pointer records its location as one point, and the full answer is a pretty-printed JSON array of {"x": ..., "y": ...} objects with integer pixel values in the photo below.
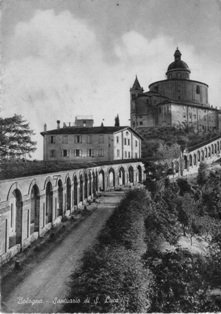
[{"x": 63, "y": 58}]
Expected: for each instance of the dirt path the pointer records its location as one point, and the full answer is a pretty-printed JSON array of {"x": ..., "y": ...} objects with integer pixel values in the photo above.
[{"x": 37, "y": 292}]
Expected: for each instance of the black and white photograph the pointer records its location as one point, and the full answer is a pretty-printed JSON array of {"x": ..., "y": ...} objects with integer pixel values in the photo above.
[{"x": 110, "y": 156}]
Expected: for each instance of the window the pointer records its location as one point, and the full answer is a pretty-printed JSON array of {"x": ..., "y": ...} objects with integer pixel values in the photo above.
[
  {"x": 136, "y": 143},
  {"x": 78, "y": 153},
  {"x": 84, "y": 123},
  {"x": 204, "y": 118},
  {"x": 65, "y": 153},
  {"x": 118, "y": 153},
  {"x": 197, "y": 89},
  {"x": 52, "y": 139},
  {"x": 90, "y": 153},
  {"x": 128, "y": 154},
  {"x": 128, "y": 141},
  {"x": 156, "y": 88},
  {"x": 159, "y": 110},
  {"x": 141, "y": 122},
  {"x": 135, "y": 155},
  {"x": 179, "y": 88},
  {"x": 89, "y": 139},
  {"x": 100, "y": 152},
  {"x": 117, "y": 139},
  {"x": 12, "y": 216},
  {"x": 65, "y": 139},
  {"x": 78, "y": 139},
  {"x": 194, "y": 116},
  {"x": 53, "y": 153},
  {"x": 125, "y": 154},
  {"x": 125, "y": 141},
  {"x": 101, "y": 139}
]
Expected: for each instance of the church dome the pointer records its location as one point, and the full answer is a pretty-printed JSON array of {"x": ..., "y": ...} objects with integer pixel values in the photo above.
[{"x": 178, "y": 64}]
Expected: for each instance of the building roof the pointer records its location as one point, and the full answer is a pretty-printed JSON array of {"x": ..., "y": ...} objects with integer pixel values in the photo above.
[
  {"x": 136, "y": 84},
  {"x": 89, "y": 130},
  {"x": 178, "y": 63}
]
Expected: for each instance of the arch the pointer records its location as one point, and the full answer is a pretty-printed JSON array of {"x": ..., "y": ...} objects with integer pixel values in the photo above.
[
  {"x": 60, "y": 198},
  {"x": 194, "y": 159},
  {"x": 209, "y": 151},
  {"x": 185, "y": 162},
  {"x": 191, "y": 160},
  {"x": 68, "y": 187},
  {"x": 94, "y": 184},
  {"x": 205, "y": 152},
  {"x": 131, "y": 174},
  {"x": 177, "y": 166},
  {"x": 49, "y": 202},
  {"x": 139, "y": 169},
  {"x": 111, "y": 177},
  {"x": 85, "y": 185},
  {"x": 215, "y": 148},
  {"x": 18, "y": 215},
  {"x": 212, "y": 149},
  {"x": 218, "y": 147},
  {"x": 202, "y": 155},
  {"x": 35, "y": 209},
  {"x": 101, "y": 181},
  {"x": 81, "y": 188},
  {"x": 90, "y": 184},
  {"x": 121, "y": 176},
  {"x": 198, "y": 155},
  {"x": 75, "y": 190},
  {"x": 97, "y": 181}
]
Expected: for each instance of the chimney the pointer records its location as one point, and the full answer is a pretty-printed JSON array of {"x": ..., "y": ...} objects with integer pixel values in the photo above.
[
  {"x": 45, "y": 127},
  {"x": 58, "y": 124}
]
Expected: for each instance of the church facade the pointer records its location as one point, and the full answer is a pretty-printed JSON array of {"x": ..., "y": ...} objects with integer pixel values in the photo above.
[{"x": 176, "y": 101}]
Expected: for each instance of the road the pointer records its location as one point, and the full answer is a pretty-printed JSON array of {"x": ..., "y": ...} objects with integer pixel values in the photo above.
[{"x": 37, "y": 292}]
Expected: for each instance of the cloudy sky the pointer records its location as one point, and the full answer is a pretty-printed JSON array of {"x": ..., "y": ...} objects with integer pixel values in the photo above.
[{"x": 64, "y": 58}]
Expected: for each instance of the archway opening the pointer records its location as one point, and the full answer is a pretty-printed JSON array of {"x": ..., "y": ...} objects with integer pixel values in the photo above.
[
  {"x": 191, "y": 160},
  {"x": 90, "y": 184},
  {"x": 121, "y": 176},
  {"x": 60, "y": 198},
  {"x": 81, "y": 188},
  {"x": 35, "y": 208},
  {"x": 131, "y": 174},
  {"x": 18, "y": 218},
  {"x": 101, "y": 181},
  {"x": 68, "y": 193},
  {"x": 111, "y": 178},
  {"x": 49, "y": 202},
  {"x": 85, "y": 185},
  {"x": 75, "y": 190},
  {"x": 139, "y": 169}
]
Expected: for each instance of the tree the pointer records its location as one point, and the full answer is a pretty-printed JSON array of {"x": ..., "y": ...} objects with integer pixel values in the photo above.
[
  {"x": 202, "y": 173},
  {"x": 117, "y": 120},
  {"x": 15, "y": 138}
]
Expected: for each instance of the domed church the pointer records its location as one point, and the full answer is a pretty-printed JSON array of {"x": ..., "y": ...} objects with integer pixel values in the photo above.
[{"x": 176, "y": 101}]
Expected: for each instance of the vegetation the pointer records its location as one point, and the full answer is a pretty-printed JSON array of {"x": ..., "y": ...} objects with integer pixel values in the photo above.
[
  {"x": 139, "y": 264},
  {"x": 112, "y": 277},
  {"x": 15, "y": 138},
  {"x": 166, "y": 143}
]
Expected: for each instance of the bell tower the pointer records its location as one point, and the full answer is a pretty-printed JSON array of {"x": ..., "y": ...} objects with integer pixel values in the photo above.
[{"x": 135, "y": 90}]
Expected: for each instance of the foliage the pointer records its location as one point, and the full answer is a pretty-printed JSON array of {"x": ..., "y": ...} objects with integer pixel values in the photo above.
[
  {"x": 112, "y": 277},
  {"x": 202, "y": 173},
  {"x": 183, "y": 185},
  {"x": 180, "y": 284},
  {"x": 15, "y": 138}
]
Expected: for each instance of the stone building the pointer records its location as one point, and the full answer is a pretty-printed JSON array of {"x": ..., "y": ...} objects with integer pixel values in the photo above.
[
  {"x": 175, "y": 101},
  {"x": 91, "y": 143}
]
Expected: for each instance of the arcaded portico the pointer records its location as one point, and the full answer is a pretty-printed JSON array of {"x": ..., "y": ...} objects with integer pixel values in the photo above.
[{"x": 32, "y": 205}]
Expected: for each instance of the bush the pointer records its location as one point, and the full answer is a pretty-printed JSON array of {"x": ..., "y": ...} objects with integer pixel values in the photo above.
[{"x": 111, "y": 276}]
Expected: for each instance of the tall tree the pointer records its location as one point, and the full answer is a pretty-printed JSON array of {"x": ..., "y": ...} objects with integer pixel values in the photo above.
[{"x": 15, "y": 138}]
